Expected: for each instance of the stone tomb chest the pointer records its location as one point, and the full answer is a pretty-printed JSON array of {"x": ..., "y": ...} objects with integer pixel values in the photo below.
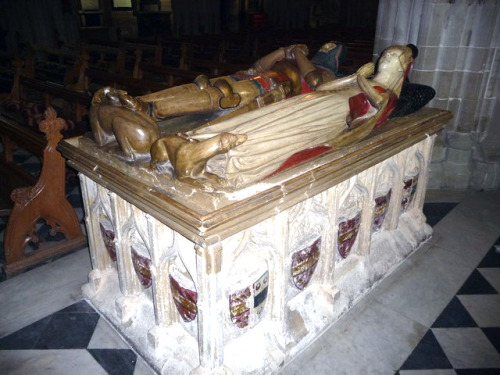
[{"x": 240, "y": 282}]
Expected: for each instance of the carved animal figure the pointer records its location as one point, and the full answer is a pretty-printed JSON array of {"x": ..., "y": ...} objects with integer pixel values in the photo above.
[
  {"x": 189, "y": 157},
  {"x": 117, "y": 117}
]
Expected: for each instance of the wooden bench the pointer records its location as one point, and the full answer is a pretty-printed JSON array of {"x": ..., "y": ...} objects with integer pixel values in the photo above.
[{"x": 44, "y": 201}]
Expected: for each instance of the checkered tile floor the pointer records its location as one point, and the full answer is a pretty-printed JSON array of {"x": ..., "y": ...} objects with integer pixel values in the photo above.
[
  {"x": 464, "y": 339},
  {"x": 75, "y": 333}
]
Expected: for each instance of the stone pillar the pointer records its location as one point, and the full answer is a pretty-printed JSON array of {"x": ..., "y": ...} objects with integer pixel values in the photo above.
[
  {"x": 459, "y": 57},
  {"x": 210, "y": 329}
]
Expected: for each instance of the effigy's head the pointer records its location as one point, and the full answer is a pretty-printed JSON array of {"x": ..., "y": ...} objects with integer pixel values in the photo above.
[
  {"x": 397, "y": 58},
  {"x": 330, "y": 56}
]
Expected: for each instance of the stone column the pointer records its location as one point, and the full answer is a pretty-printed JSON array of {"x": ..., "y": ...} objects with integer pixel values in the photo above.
[
  {"x": 210, "y": 329},
  {"x": 459, "y": 57}
]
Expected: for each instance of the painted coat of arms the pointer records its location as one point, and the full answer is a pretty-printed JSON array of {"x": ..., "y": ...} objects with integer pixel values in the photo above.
[
  {"x": 249, "y": 300},
  {"x": 381, "y": 206},
  {"x": 185, "y": 300},
  {"x": 348, "y": 231},
  {"x": 142, "y": 267},
  {"x": 304, "y": 264},
  {"x": 409, "y": 189},
  {"x": 108, "y": 236}
]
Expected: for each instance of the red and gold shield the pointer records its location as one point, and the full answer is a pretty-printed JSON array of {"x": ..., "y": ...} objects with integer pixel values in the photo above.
[
  {"x": 348, "y": 231},
  {"x": 108, "y": 236},
  {"x": 185, "y": 300},
  {"x": 304, "y": 264},
  {"x": 381, "y": 206},
  {"x": 142, "y": 267}
]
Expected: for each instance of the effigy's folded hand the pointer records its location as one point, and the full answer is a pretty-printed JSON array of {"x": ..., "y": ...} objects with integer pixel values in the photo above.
[
  {"x": 294, "y": 48},
  {"x": 366, "y": 70}
]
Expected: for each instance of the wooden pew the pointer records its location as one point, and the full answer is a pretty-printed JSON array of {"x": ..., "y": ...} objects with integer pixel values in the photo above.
[
  {"x": 20, "y": 117},
  {"x": 172, "y": 76},
  {"x": 51, "y": 64},
  {"x": 44, "y": 201},
  {"x": 26, "y": 88},
  {"x": 134, "y": 86}
]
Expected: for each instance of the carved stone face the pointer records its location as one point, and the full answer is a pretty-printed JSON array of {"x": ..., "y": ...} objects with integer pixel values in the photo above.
[{"x": 394, "y": 59}]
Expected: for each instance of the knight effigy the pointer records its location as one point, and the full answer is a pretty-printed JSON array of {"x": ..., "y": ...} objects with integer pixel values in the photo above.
[{"x": 254, "y": 131}]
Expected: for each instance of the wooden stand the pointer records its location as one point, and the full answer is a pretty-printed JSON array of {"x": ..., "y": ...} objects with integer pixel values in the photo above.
[{"x": 44, "y": 201}]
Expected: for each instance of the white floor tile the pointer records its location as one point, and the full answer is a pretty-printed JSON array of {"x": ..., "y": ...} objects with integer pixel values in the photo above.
[
  {"x": 105, "y": 337},
  {"x": 49, "y": 362},
  {"x": 472, "y": 227},
  {"x": 42, "y": 291},
  {"x": 141, "y": 368},
  {"x": 484, "y": 308},
  {"x": 467, "y": 348},
  {"x": 370, "y": 339},
  {"x": 492, "y": 275},
  {"x": 424, "y": 284}
]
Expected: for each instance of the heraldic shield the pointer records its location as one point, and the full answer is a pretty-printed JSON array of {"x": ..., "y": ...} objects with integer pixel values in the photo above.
[
  {"x": 381, "y": 206},
  {"x": 142, "y": 267},
  {"x": 242, "y": 306},
  {"x": 185, "y": 300},
  {"x": 108, "y": 236},
  {"x": 304, "y": 264},
  {"x": 348, "y": 231}
]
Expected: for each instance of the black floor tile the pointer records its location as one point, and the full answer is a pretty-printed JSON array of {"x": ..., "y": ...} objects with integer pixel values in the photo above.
[
  {"x": 75, "y": 200},
  {"x": 427, "y": 355},
  {"x": 71, "y": 330},
  {"x": 492, "y": 259},
  {"x": 26, "y": 338},
  {"x": 493, "y": 334},
  {"x": 454, "y": 315},
  {"x": 79, "y": 307},
  {"x": 435, "y": 211},
  {"x": 476, "y": 284},
  {"x": 115, "y": 361}
]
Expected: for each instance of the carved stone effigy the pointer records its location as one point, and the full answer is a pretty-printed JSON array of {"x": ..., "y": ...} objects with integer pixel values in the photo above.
[{"x": 241, "y": 281}]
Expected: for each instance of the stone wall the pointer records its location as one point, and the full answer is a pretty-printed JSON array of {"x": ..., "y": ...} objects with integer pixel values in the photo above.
[{"x": 459, "y": 57}]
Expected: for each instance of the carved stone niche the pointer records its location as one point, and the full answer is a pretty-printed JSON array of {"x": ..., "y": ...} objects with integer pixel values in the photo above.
[{"x": 241, "y": 281}]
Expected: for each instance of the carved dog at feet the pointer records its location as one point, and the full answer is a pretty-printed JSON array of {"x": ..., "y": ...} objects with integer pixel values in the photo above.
[
  {"x": 189, "y": 157},
  {"x": 115, "y": 116}
]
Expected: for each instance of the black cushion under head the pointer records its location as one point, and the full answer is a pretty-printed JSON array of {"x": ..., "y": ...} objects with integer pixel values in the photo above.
[{"x": 413, "y": 97}]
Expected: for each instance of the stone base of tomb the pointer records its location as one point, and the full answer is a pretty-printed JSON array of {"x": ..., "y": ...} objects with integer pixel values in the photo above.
[{"x": 241, "y": 282}]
